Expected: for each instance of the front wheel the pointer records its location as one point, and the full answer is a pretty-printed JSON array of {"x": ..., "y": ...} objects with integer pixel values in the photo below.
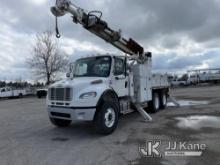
[
  {"x": 60, "y": 122},
  {"x": 106, "y": 119}
]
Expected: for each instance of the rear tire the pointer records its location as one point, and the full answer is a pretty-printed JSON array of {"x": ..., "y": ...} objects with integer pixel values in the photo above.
[
  {"x": 60, "y": 122},
  {"x": 155, "y": 103},
  {"x": 163, "y": 100},
  {"x": 106, "y": 120}
]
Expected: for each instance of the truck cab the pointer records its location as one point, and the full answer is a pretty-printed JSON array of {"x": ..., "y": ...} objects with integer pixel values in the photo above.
[
  {"x": 91, "y": 83},
  {"x": 99, "y": 88},
  {"x": 5, "y": 92}
]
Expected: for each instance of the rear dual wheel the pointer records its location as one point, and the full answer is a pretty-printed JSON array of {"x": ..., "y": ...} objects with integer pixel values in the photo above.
[
  {"x": 159, "y": 101},
  {"x": 155, "y": 102},
  {"x": 163, "y": 100}
]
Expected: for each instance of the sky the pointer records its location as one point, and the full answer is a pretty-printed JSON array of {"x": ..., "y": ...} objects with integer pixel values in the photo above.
[{"x": 181, "y": 34}]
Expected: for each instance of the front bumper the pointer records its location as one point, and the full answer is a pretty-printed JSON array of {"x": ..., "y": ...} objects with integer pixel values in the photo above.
[{"x": 72, "y": 113}]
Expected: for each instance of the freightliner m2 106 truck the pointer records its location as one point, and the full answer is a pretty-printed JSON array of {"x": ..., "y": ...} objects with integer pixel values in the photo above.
[{"x": 100, "y": 88}]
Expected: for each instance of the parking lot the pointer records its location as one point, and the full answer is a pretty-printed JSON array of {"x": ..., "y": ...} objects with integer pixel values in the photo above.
[{"x": 28, "y": 137}]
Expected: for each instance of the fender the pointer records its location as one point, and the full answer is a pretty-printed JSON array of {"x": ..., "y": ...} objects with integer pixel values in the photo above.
[{"x": 107, "y": 95}]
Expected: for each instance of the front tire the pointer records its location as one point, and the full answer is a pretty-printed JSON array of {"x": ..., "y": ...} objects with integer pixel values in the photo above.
[
  {"x": 106, "y": 119},
  {"x": 60, "y": 122}
]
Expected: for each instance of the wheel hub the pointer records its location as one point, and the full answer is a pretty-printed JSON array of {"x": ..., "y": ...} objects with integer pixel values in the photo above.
[{"x": 109, "y": 117}]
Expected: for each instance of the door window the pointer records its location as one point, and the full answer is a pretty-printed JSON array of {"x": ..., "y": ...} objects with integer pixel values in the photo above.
[{"x": 119, "y": 67}]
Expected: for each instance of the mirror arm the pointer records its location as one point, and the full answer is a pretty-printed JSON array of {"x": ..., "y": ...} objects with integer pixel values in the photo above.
[{"x": 125, "y": 66}]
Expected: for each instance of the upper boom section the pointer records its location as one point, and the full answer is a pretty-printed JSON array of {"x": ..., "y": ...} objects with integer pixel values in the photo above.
[{"x": 92, "y": 22}]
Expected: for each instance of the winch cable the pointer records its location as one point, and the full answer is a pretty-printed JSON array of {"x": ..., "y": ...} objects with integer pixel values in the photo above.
[{"x": 56, "y": 28}]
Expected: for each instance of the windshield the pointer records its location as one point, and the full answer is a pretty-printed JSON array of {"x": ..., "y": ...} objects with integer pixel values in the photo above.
[{"x": 93, "y": 67}]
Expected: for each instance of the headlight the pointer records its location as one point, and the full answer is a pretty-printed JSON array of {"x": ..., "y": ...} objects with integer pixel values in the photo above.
[{"x": 87, "y": 95}]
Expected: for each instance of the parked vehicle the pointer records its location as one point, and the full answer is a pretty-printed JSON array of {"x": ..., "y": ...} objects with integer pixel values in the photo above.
[
  {"x": 99, "y": 88},
  {"x": 8, "y": 92},
  {"x": 178, "y": 82},
  {"x": 41, "y": 93},
  {"x": 205, "y": 77}
]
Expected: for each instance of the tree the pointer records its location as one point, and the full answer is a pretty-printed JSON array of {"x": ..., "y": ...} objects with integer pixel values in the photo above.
[
  {"x": 47, "y": 60},
  {"x": 184, "y": 77}
]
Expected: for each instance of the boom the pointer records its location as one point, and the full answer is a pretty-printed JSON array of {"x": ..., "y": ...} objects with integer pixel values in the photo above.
[{"x": 92, "y": 22}]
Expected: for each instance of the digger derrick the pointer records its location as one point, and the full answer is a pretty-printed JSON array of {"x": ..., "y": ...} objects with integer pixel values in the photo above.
[
  {"x": 131, "y": 87},
  {"x": 92, "y": 22}
]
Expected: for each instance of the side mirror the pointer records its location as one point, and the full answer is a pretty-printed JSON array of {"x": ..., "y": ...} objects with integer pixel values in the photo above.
[{"x": 68, "y": 75}]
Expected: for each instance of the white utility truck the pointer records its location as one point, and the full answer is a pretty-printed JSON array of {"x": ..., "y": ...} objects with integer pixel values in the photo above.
[
  {"x": 101, "y": 87},
  {"x": 8, "y": 92},
  {"x": 204, "y": 76}
]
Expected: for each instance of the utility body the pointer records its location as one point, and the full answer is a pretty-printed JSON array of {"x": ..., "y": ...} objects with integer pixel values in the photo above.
[{"x": 101, "y": 87}]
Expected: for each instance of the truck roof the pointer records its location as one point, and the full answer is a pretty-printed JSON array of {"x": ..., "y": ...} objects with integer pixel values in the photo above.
[{"x": 96, "y": 55}]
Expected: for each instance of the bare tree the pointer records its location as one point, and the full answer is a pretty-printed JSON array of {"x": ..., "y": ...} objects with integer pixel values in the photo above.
[{"x": 47, "y": 60}]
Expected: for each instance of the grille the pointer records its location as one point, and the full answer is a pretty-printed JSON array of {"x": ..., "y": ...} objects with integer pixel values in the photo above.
[{"x": 60, "y": 94}]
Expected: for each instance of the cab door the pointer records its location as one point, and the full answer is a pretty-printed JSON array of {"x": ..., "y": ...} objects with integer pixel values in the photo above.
[
  {"x": 120, "y": 80},
  {"x": 3, "y": 92}
]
